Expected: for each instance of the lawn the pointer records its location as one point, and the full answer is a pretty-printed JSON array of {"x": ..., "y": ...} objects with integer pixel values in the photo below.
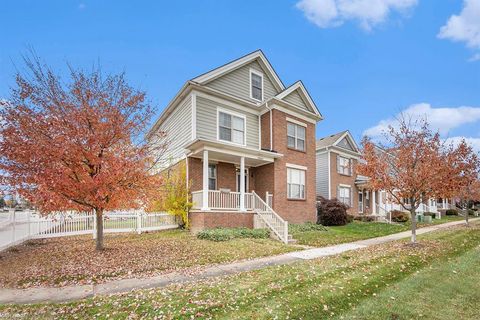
[
  {"x": 73, "y": 260},
  {"x": 435, "y": 280},
  {"x": 355, "y": 231}
]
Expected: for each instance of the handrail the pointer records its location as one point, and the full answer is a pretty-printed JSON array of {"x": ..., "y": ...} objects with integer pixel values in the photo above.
[{"x": 276, "y": 223}]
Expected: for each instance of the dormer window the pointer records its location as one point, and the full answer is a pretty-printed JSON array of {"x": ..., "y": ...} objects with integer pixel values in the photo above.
[{"x": 256, "y": 85}]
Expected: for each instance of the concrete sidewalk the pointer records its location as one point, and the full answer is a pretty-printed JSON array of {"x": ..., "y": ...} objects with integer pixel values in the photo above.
[{"x": 63, "y": 294}]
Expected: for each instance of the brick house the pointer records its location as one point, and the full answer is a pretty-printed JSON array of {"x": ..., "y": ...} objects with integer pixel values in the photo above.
[
  {"x": 337, "y": 158},
  {"x": 248, "y": 143}
]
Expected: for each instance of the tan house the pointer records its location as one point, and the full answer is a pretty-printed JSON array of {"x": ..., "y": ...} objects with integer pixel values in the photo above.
[{"x": 248, "y": 143}]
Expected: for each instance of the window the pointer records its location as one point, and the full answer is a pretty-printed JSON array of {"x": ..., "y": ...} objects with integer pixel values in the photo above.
[
  {"x": 295, "y": 136},
  {"x": 256, "y": 86},
  {"x": 212, "y": 177},
  {"x": 231, "y": 128},
  {"x": 344, "y": 166},
  {"x": 344, "y": 195},
  {"x": 295, "y": 183}
]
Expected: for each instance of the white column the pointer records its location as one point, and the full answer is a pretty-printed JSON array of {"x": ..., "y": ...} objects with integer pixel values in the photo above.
[
  {"x": 374, "y": 203},
  {"x": 242, "y": 183},
  {"x": 205, "y": 181},
  {"x": 444, "y": 202}
]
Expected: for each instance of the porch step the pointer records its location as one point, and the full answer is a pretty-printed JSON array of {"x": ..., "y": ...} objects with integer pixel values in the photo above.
[{"x": 291, "y": 240}]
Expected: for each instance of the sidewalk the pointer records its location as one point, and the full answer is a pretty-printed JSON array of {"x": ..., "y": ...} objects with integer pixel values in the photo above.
[{"x": 63, "y": 294}]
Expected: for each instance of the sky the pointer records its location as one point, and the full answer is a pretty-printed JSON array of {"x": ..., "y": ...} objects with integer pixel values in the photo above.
[{"x": 363, "y": 61}]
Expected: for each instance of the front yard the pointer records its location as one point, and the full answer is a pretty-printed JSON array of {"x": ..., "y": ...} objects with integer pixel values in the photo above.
[
  {"x": 73, "y": 260},
  {"x": 356, "y": 231},
  {"x": 436, "y": 280}
]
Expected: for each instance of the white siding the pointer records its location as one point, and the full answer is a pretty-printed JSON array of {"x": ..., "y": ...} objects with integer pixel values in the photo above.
[
  {"x": 344, "y": 143},
  {"x": 322, "y": 175},
  {"x": 207, "y": 121},
  {"x": 237, "y": 82},
  {"x": 178, "y": 129},
  {"x": 295, "y": 99}
]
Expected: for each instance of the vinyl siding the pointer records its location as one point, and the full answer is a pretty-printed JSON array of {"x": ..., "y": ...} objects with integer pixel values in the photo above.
[
  {"x": 237, "y": 82},
  {"x": 322, "y": 174},
  {"x": 294, "y": 98},
  {"x": 207, "y": 121},
  {"x": 178, "y": 128},
  {"x": 345, "y": 144}
]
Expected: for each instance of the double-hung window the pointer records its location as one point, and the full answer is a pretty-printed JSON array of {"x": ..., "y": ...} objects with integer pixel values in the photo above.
[
  {"x": 256, "y": 86},
  {"x": 295, "y": 136},
  {"x": 212, "y": 177},
  {"x": 231, "y": 128},
  {"x": 295, "y": 183},
  {"x": 345, "y": 195},
  {"x": 344, "y": 166}
]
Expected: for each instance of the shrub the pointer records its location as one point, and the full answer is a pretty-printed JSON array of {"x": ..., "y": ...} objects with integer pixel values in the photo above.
[
  {"x": 364, "y": 218},
  {"x": 471, "y": 212},
  {"x": 350, "y": 218},
  {"x": 307, "y": 226},
  {"x": 451, "y": 212},
  {"x": 225, "y": 234},
  {"x": 431, "y": 214},
  {"x": 399, "y": 216},
  {"x": 331, "y": 212}
]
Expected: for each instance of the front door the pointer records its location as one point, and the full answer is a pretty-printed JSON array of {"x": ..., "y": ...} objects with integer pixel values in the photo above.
[
  {"x": 360, "y": 202},
  {"x": 246, "y": 180}
]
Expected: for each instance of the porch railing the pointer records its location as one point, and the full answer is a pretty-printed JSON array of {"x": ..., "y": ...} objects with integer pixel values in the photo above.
[
  {"x": 219, "y": 200},
  {"x": 270, "y": 218}
]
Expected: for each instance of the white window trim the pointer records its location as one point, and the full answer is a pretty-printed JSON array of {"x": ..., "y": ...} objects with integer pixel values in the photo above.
[
  {"x": 232, "y": 113},
  {"x": 350, "y": 166},
  {"x": 261, "y": 76},
  {"x": 296, "y": 122},
  {"x": 346, "y": 186},
  {"x": 296, "y": 137},
  {"x": 295, "y": 167}
]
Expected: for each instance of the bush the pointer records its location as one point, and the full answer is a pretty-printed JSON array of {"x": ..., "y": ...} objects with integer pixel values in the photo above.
[
  {"x": 225, "y": 234},
  {"x": 451, "y": 212},
  {"x": 431, "y": 214},
  {"x": 471, "y": 212},
  {"x": 364, "y": 218},
  {"x": 307, "y": 226},
  {"x": 399, "y": 216},
  {"x": 331, "y": 212},
  {"x": 350, "y": 218}
]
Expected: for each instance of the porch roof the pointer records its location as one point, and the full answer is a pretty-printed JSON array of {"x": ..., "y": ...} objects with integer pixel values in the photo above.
[{"x": 231, "y": 153}]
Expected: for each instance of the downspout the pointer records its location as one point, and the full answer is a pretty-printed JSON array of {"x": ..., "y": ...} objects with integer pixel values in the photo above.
[{"x": 271, "y": 128}]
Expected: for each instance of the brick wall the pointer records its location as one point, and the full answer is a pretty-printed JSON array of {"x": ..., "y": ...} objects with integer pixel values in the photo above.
[
  {"x": 200, "y": 220},
  {"x": 226, "y": 175},
  {"x": 294, "y": 211}
]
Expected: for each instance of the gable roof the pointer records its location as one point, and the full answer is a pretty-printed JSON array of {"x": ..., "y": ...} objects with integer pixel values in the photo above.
[
  {"x": 300, "y": 88},
  {"x": 237, "y": 63},
  {"x": 334, "y": 139}
]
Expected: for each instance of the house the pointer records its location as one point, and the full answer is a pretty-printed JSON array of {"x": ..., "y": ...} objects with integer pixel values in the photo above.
[
  {"x": 248, "y": 143},
  {"x": 337, "y": 158}
]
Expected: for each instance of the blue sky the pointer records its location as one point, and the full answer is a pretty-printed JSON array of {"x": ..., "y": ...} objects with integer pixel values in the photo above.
[{"x": 363, "y": 61}]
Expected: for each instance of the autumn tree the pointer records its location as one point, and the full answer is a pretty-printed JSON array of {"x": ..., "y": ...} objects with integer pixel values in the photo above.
[
  {"x": 406, "y": 166},
  {"x": 77, "y": 145}
]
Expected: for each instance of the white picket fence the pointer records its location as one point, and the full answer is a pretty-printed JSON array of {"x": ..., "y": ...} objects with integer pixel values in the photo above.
[{"x": 21, "y": 226}]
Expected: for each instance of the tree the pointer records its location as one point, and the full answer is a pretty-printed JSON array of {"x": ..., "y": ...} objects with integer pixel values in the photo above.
[
  {"x": 463, "y": 173},
  {"x": 2, "y": 202},
  {"x": 77, "y": 145},
  {"x": 406, "y": 166}
]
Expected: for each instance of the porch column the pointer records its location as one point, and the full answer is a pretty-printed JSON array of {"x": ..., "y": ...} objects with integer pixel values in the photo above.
[
  {"x": 374, "y": 203},
  {"x": 444, "y": 202},
  {"x": 205, "y": 181},
  {"x": 242, "y": 183}
]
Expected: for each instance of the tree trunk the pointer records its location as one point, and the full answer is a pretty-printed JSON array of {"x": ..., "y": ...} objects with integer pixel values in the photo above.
[
  {"x": 99, "y": 217},
  {"x": 413, "y": 216},
  {"x": 466, "y": 214}
]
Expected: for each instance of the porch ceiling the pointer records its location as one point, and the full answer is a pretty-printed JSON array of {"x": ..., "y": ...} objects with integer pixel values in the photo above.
[{"x": 223, "y": 152}]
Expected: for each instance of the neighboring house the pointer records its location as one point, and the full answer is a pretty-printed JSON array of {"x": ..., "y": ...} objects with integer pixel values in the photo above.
[
  {"x": 337, "y": 158},
  {"x": 247, "y": 140}
]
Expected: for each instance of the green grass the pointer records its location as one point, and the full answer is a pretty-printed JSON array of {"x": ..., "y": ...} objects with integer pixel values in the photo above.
[
  {"x": 340, "y": 234},
  {"x": 391, "y": 281}
]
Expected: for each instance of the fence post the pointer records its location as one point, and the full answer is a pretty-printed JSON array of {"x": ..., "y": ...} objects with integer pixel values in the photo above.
[
  {"x": 94, "y": 217},
  {"x": 139, "y": 222}
]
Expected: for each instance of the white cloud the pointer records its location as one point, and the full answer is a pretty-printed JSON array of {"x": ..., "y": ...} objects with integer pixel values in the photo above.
[
  {"x": 369, "y": 13},
  {"x": 441, "y": 119},
  {"x": 474, "y": 142},
  {"x": 464, "y": 27}
]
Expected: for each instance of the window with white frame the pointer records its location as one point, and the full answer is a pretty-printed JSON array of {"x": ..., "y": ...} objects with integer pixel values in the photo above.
[
  {"x": 212, "y": 177},
  {"x": 345, "y": 195},
  {"x": 295, "y": 183},
  {"x": 295, "y": 136},
  {"x": 344, "y": 166},
  {"x": 231, "y": 128},
  {"x": 256, "y": 86}
]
